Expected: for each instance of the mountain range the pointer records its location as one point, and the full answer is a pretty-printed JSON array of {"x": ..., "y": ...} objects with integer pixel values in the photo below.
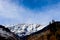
[
  {"x": 25, "y": 29},
  {"x": 31, "y": 32}
]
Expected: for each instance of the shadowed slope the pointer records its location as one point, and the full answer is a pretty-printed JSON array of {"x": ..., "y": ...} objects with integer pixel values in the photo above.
[
  {"x": 6, "y": 34},
  {"x": 50, "y": 32}
]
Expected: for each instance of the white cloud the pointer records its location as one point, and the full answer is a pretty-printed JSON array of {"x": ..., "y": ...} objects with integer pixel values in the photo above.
[{"x": 8, "y": 10}]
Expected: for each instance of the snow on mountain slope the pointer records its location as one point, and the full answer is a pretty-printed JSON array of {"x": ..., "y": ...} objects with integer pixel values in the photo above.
[{"x": 25, "y": 29}]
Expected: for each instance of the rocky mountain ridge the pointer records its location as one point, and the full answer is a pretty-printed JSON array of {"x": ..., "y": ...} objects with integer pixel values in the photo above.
[
  {"x": 50, "y": 32},
  {"x": 25, "y": 29}
]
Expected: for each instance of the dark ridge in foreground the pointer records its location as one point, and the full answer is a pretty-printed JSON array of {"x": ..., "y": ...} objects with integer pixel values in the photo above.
[
  {"x": 6, "y": 34},
  {"x": 50, "y": 32}
]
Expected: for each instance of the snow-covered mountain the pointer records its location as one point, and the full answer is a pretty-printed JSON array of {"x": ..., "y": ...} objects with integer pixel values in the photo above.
[{"x": 25, "y": 29}]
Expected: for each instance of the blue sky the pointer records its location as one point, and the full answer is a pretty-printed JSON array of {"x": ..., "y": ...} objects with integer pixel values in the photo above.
[{"x": 29, "y": 11}]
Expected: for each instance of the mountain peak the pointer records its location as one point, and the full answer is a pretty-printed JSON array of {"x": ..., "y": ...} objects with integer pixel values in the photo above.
[{"x": 25, "y": 29}]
